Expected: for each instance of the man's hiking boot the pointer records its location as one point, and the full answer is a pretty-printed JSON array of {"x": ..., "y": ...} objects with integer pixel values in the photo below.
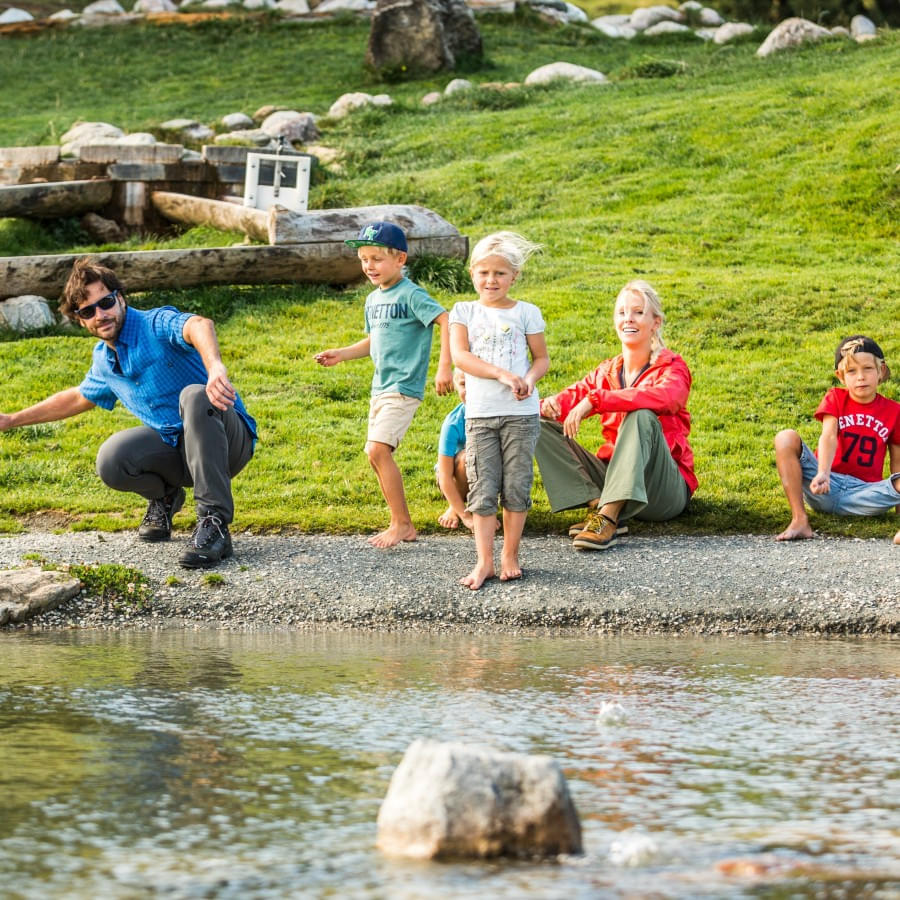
[
  {"x": 578, "y": 527},
  {"x": 157, "y": 524},
  {"x": 210, "y": 544},
  {"x": 599, "y": 533}
]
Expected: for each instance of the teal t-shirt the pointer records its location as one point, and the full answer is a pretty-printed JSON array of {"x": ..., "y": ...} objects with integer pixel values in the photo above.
[{"x": 399, "y": 324}]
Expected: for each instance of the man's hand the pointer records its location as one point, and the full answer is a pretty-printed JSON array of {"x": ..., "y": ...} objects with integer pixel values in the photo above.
[{"x": 219, "y": 389}]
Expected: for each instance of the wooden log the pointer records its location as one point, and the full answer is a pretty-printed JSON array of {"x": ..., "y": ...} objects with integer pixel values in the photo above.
[
  {"x": 200, "y": 211},
  {"x": 53, "y": 199},
  {"x": 288, "y": 227},
  {"x": 327, "y": 262}
]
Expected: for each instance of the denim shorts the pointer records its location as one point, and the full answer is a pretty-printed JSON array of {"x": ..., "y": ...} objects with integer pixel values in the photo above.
[
  {"x": 500, "y": 462},
  {"x": 847, "y": 495}
]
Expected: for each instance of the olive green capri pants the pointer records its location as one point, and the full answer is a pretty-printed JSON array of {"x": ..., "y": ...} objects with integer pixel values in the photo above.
[{"x": 641, "y": 471}]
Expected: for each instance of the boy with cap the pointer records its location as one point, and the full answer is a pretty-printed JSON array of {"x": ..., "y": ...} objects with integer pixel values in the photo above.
[
  {"x": 859, "y": 427},
  {"x": 400, "y": 316}
]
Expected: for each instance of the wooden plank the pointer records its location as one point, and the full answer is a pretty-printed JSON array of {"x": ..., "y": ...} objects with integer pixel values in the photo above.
[
  {"x": 53, "y": 199},
  {"x": 288, "y": 227},
  {"x": 327, "y": 262},
  {"x": 200, "y": 211}
]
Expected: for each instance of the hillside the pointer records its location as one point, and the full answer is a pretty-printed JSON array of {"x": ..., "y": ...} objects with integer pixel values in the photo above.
[{"x": 759, "y": 196}]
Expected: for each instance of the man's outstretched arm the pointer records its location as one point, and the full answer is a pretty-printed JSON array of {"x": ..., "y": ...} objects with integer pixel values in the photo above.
[{"x": 69, "y": 402}]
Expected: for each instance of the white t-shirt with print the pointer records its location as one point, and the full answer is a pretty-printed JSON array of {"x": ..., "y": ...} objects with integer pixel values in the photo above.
[{"x": 498, "y": 336}]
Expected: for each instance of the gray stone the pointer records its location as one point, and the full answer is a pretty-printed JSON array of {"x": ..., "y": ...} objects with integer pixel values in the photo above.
[
  {"x": 862, "y": 38},
  {"x": 291, "y": 125},
  {"x": 615, "y": 20},
  {"x": 104, "y": 8},
  {"x": 495, "y": 6},
  {"x": 840, "y": 31},
  {"x": 293, "y": 7},
  {"x": 26, "y": 313},
  {"x": 644, "y": 18},
  {"x": 258, "y": 4},
  {"x": 83, "y": 133},
  {"x": 28, "y": 591},
  {"x": 348, "y": 102},
  {"x": 104, "y": 230},
  {"x": 431, "y": 98},
  {"x": 64, "y": 14},
  {"x": 333, "y": 6},
  {"x": 666, "y": 27},
  {"x": 238, "y": 121},
  {"x": 709, "y": 18},
  {"x": 12, "y": 15},
  {"x": 421, "y": 35},
  {"x": 449, "y": 800},
  {"x": 792, "y": 33},
  {"x": 154, "y": 6},
  {"x": 188, "y": 130},
  {"x": 731, "y": 31},
  {"x": 612, "y": 30},
  {"x": 457, "y": 85},
  {"x": 565, "y": 71},
  {"x": 576, "y": 14},
  {"x": 862, "y": 25}
]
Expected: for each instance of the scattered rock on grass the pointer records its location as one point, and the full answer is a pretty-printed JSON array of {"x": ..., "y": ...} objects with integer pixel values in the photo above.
[
  {"x": 26, "y": 313},
  {"x": 565, "y": 71},
  {"x": 792, "y": 33}
]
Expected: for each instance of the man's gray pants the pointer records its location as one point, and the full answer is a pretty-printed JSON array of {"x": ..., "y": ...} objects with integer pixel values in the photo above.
[{"x": 214, "y": 447}]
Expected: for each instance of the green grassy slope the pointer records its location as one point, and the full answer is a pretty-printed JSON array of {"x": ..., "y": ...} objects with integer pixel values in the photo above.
[{"x": 759, "y": 196}]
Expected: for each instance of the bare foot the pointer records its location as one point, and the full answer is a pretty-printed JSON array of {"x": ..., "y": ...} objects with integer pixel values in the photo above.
[
  {"x": 795, "y": 533},
  {"x": 477, "y": 577},
  {"x": 392, "y": 536},
  {"x": 448, "y": 518},
  {"x": 510, "y": 571},
  {"x": 897, "y": 538}
]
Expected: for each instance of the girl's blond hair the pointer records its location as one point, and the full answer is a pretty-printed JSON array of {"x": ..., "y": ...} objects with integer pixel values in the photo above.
[
  {"x": 653, "y": 303},
  {"x": 513, "y": 247}
]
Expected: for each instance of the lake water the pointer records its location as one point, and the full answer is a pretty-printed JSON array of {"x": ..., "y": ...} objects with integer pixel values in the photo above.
[{"x": 210, "y": 764}]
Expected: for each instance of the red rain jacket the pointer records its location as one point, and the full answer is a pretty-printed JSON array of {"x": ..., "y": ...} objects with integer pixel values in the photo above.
[{"x": 663, "y": 388}]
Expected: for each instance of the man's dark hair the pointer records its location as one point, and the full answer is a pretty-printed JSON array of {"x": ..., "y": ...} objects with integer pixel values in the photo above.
[{"x": 86, "y": 271}]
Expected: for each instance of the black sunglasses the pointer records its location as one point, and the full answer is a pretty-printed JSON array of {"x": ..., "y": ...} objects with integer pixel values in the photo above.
[{"x": 107, "y": 302}]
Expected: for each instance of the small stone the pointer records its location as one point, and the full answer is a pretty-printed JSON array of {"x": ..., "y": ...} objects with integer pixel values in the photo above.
[
  {"x": 26, "y": 313},
  {"x": 12, "y": 15},
  {"x": 565, "y": 71}
]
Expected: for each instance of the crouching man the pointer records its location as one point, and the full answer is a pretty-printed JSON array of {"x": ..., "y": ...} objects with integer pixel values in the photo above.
[{"x": 164, "y": 366}]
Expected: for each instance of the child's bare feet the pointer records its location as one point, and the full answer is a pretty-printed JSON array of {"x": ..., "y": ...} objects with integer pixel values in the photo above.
[
  {"x": 392, "y": 536},
  {"x": 897, "y": 538},
  {"x": 509, "y": 569},
  {"x": 448, "y": 518},
  {"x": 795, "y": 532},
  {"x": 478, "y": 576}
]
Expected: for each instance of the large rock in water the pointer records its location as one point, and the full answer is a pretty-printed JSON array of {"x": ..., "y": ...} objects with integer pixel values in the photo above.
[
  {"x": 459, "y": 800},
  {"x": 421, "y": 35}
]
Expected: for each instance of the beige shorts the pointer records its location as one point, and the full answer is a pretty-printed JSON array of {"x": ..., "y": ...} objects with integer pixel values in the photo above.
[{"x": 390, "y": 415}]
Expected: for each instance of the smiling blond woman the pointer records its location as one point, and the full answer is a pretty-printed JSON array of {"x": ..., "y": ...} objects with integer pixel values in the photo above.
[{"x": 645, "y": 466}]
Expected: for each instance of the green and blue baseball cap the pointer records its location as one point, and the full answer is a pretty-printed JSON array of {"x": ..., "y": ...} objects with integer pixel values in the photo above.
[{"x": 380, "y": 234}]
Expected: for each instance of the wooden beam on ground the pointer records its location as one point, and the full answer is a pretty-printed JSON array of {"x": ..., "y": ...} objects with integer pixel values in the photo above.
[
  {"x": 325, "y": 262},
  {"x": 219, "y": 214},
  {"x": 288, "y": 227},
  {"x": 54, "y": 199}
]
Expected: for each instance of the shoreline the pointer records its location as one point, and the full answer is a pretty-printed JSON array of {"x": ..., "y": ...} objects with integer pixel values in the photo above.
[{"x": 736, "y": 584}]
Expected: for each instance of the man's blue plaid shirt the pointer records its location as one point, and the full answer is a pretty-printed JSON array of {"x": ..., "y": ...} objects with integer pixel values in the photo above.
[{"x": 151, "y": 365}]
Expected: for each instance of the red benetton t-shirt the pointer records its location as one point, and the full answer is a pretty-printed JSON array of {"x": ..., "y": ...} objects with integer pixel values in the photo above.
[{"x": 864, "y": 431}]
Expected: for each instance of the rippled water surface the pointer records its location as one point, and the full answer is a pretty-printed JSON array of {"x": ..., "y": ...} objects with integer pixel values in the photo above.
[{"x": 206, "y": 764}]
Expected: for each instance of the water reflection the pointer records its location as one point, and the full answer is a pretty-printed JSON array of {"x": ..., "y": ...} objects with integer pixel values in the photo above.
[{"x": 238, "y": 765}]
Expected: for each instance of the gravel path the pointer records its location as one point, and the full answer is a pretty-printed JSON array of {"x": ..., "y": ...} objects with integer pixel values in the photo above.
[{"x": 733, "y": 584}]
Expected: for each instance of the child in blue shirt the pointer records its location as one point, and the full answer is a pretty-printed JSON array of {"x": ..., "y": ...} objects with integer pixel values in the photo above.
[{"x": 451, "y": 463}]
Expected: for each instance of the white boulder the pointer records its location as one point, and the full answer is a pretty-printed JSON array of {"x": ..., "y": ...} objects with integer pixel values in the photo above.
[
  {"x": 154, "y": 6},
  {"x": 644, "y": 18},
  {"x": 457, "y": 85},
  {"x": 12, "y": 15},
  {"x": 63, "y": 15},
  {"x": 792, "y": 33},
  {"x": 26, "y": 313},
  {"x": 354, "y": 100},
  {"x": 82, "y": 134},
  {"x": 860, "y": 25},
  {"x": 293, "y": 7},
  {"x": 709, "y": 18},
  {"x": 104, "y": 8},
  {"x": 291, "y": 125},
  {"x": 731, "y": 31},
  {"x": 459, "y": 800},
  {"x": 565, "y": 71},
  {"x": 238, "y": 121},
  {"x": 666, "y": 27},
  {"x": 332, "y": 6}
]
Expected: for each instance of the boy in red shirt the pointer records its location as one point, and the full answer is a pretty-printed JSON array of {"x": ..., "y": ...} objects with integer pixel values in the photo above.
[{"x": 859, "y": 427}]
